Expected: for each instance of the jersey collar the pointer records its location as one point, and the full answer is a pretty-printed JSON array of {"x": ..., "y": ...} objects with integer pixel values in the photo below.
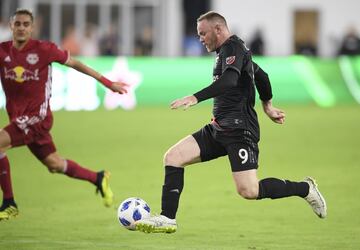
[
  {"x": 226, "y": 41},
  {"x": 27, "y": 46}
]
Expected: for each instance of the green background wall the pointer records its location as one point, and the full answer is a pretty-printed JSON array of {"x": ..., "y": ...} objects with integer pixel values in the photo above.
[{"x": 295, "y": 80}]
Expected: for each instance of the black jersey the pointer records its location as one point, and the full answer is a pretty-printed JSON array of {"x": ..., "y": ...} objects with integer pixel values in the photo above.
[{"x": 234, "y": 109}]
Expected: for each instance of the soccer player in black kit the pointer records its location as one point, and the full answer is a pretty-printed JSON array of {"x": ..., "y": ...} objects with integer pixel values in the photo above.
[{"x": 234, "y": 130}]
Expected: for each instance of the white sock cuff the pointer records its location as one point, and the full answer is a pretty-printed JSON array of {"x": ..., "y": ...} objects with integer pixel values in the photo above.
[
  {"x": 2, "y": 155},
  {"x": 65, "y": 165}
]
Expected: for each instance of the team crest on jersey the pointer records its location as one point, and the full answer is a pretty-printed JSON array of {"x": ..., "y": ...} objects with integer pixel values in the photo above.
[
  {"x": 230, "y": 60},
  {"x": 32, "y": 58}
]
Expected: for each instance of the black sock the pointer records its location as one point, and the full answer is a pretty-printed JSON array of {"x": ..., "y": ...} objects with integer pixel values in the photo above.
[
  {"x": 173, "y": 185},
  {"x": 275, "y": 188},
  {"x": 8, "y": 202}
]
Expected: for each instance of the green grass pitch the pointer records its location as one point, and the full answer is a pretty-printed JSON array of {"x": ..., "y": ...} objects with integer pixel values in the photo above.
[{"x": 57, "y": 212}]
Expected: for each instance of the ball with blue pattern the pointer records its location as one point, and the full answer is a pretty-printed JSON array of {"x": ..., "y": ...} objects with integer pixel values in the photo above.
[{"x": 132, "y": 209}]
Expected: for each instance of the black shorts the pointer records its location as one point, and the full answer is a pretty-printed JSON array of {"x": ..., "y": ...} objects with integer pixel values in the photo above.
[{"x": 240, "y": 146}]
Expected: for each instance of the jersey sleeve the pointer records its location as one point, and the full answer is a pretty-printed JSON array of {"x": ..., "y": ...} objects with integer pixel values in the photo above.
[
  {"x": 232, "y": 57},
  {"x": 56, "y": 54},
  {"x": 218, "y": 87},
  {"x": 262, "y": 83},
  {"x": 2, "y": 54}
]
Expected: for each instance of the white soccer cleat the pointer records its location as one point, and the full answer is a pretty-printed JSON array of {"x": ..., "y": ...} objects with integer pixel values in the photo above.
[
  {"x": 315, "y": 199},
  {"x": 156, "y": 224}
]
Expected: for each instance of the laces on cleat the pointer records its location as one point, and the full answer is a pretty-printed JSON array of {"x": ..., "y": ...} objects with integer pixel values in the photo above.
[
  {"x": 8, "y": 211},
  {"x": 156, "y": 224}
]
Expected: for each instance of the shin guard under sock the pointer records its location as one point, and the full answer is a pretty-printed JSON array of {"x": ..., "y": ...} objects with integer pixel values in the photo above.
[
  {"x": 275, "y": 188},
  {"x": 172, "y": 188}
]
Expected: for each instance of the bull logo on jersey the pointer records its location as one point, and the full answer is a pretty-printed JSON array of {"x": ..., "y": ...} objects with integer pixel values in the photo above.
[
  {"x": 20, "y": 74},
  {"x": 32, "y": 58},
  {"x": 230, "y": 60}
]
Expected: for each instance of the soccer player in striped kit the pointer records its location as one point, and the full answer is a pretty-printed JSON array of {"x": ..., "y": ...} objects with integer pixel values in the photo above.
[{"x": 25, "y": 68}]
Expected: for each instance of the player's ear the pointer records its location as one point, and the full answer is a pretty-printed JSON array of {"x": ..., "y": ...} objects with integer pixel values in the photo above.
[{"x": 217, "y": 29}]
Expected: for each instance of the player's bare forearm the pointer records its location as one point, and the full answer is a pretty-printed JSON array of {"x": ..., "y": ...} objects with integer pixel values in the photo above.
[
  {"x": 119, "y": 87},
  {"x": 275, "y": 114},
  {"x": 79, "y": 66},
  {"x": 186, "y": 102}
]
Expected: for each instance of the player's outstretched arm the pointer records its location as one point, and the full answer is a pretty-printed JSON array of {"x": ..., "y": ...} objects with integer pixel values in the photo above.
[
  {"x": 262, "y": 83},
  {"x": 119, "y": 87},
  {"x": 186, "y": 102},
  {"x": 275, "y": 114}
]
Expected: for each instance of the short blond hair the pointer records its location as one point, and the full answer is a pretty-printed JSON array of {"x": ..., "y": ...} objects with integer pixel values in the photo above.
[{"x": 213, "y": 16}]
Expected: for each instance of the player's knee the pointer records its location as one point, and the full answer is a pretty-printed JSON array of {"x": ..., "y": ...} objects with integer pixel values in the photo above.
[
  {"x": 248, "y": 193},
  {"x": 172, "y": 158},
  {"x": 54, "y": 164},
  {"x": 55, "y": 168}
]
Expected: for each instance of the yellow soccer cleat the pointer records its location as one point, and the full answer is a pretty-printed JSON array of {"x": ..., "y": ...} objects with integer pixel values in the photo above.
[
  {"x": 8, "y": 212},
  {"x": 102, "y": 186}
]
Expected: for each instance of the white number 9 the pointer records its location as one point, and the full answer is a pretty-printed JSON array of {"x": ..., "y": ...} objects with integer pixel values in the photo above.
[{"x": 243, "y": 154}]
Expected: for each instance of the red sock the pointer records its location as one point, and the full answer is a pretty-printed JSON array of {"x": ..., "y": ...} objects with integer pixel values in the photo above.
[
  {"x": 5, "y": 178},
  {"x": 74, "y": 170}
]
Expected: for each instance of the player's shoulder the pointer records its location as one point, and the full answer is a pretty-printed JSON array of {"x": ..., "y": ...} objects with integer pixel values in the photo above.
[
  {"x": 5, "y": 48},
  {"x": 43, "y": 44},
  {"x": 5, "y": 45},
  {"x": 234, "y": 43}
]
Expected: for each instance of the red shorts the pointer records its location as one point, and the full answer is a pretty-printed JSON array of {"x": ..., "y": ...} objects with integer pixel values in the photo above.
[{"x": 37, "y": 137}]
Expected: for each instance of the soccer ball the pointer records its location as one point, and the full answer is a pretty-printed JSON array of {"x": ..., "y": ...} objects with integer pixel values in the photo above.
[{"x": 131, "y": 210}]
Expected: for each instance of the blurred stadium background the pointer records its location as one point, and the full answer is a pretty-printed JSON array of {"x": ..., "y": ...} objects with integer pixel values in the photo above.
[
  {"x": 150, "y": 43},
  {"x": 166, "y": 27},
  {"x": 310, "y": 50}
]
